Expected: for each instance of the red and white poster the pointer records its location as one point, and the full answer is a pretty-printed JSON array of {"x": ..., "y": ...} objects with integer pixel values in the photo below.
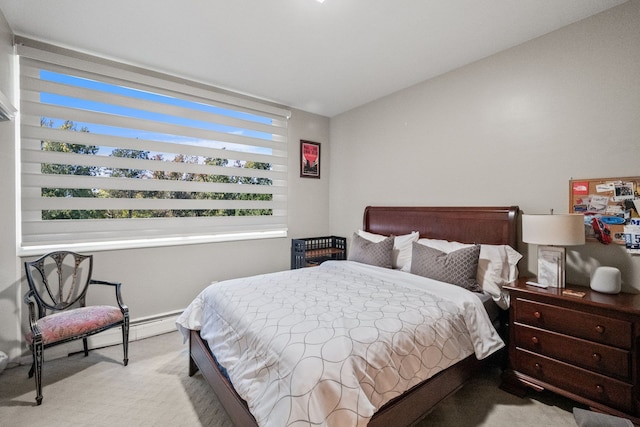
[{"x": 309, "y": 159}]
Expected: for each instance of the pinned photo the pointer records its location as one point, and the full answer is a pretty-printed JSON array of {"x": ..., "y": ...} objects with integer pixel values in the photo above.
[
  {"x": 623, "y": 191},
  {"x": 598, "y": 204}
]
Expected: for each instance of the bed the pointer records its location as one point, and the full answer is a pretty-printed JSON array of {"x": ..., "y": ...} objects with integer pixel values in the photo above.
[{"x": 465, "y": 225}]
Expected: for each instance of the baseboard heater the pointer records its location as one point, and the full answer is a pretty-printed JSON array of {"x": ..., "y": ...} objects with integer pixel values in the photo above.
[{"x": 140, "y": 328}]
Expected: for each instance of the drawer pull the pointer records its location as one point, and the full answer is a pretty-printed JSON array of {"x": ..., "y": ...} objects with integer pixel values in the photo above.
[
  {"x": 535, "y": 340},
  {"x": 537, "y": 314},
  {"x": 596, "y": 357},
  {"x": 600, "y": 329},
  {"x": 599, "y": 388},
  {"x": 538, "y": 366}
]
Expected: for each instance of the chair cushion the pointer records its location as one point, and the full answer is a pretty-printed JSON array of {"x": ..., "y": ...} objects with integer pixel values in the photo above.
[{"x": 76, "y": 322}]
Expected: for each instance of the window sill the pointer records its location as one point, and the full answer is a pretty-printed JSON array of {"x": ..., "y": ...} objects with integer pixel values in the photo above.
[{"x": 149, "y": 243}]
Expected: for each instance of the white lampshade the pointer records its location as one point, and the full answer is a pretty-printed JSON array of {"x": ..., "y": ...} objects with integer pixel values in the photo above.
[{"x": 553, "y": 230}]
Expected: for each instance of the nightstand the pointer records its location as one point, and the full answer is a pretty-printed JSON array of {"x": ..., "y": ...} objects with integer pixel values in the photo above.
[{"x": 585, "y": 348}]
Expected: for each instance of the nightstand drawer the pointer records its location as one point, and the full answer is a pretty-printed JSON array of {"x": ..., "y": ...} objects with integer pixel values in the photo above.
[
  {"x": 580, "y": 324},
  {"x": 586, "y": 354},
  {"x": 608, "y": 391}
]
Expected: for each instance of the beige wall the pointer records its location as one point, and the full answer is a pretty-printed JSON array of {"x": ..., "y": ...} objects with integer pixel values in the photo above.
[
  {"x": 161, "y": 280},
  {"x": 510, "y": 129},
  {"x": 10, "y": 335}
]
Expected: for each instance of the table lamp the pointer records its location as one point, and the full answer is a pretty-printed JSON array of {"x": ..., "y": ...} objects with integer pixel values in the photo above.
[{"x": 551, "y": 233}]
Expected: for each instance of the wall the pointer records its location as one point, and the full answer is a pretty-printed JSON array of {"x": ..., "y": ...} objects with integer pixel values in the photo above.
[
  {"x": 510, "y": 129},
  {"x": 160, "y": 280},
  {"x": 10, "y": 336}
]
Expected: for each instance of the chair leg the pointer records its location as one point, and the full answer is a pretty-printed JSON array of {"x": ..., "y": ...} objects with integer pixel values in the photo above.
[
  {"x": 38, "y": 358},
  {"x": 85, "y": 344},
  {"x": 125, "y": 341}
]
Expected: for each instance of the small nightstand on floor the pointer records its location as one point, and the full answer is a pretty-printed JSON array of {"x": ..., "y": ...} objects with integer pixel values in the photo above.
[
  {"x": 585, "y": 347},
  {"x": 313, "y": 251}
]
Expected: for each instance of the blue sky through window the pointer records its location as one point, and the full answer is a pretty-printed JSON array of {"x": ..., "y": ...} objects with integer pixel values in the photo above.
[{"x": 88, "y": 105}]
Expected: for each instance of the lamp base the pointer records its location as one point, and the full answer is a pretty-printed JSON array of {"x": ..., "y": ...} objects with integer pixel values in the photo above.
[{"x": 551, "y": 266}]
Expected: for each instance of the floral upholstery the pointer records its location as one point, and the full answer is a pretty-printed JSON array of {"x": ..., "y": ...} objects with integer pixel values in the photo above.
[{"x": 75, "y": 323}]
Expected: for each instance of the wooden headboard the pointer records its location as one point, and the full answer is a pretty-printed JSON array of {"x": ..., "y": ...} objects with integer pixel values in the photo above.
[{"x": 489, "y": 225}]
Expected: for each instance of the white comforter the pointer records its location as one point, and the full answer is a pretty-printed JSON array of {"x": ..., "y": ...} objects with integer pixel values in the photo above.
[{"x": 330, "y": 345}]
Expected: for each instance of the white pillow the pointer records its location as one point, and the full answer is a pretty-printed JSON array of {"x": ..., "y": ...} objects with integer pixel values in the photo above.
[
  {"x": 371, "y": 236},
  {"x": 401, "y": 247},
  {"x": 497, "y": 266}
]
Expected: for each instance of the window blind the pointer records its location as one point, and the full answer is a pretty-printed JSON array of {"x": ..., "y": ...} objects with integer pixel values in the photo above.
[{"x": 115, "y": 156}]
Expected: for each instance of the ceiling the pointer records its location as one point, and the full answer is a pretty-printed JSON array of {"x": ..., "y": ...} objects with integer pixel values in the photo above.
[{"x": 322, "y": 58}]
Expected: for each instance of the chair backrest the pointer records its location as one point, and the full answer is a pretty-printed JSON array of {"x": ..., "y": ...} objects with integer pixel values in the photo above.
[{"x": 58, "y": 280}]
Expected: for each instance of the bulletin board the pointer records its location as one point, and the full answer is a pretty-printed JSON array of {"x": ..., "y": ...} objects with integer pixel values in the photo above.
[{"x": 615, "y": 201}]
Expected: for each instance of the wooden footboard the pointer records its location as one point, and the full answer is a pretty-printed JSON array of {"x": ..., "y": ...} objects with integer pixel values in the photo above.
[
  {"x": 415, "y": 404},
  {"x": 405, "y": 410},
  {"x": 200, "y": 357}
]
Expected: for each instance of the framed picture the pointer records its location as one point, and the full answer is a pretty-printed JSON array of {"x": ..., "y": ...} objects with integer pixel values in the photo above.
[
  {"x": 309, "y": 159},
  {"x": 551, "y": 266}
]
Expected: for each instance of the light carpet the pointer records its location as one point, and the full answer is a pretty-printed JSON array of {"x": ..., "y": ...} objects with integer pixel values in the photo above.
[{"x": 156, "y": 390}]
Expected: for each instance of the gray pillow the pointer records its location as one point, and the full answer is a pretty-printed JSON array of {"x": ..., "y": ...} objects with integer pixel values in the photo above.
[
  {"x": 458, "y": 267},
  {"x": 368, "y": 252}
]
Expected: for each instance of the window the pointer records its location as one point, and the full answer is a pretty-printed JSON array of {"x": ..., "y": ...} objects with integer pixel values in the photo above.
[{"x": 113, "y": 156}]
